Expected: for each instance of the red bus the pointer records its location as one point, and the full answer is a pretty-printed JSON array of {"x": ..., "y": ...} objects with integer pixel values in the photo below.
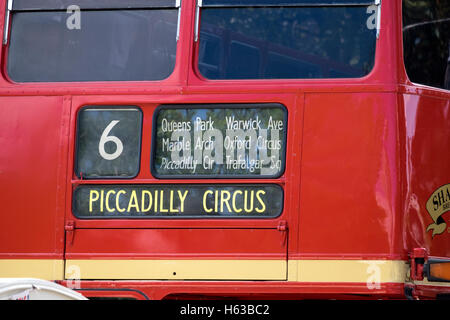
[{"x": 167, "y": 149}]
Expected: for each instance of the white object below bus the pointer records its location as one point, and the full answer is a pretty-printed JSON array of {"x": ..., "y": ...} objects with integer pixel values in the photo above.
[{"x": 35, "y": 289}]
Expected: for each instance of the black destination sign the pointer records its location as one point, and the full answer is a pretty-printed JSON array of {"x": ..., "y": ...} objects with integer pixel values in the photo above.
[
  {"x": 219, "y": 141},
  {"x": 108, "y": 142},
  {"x": 178, "y": 201}
]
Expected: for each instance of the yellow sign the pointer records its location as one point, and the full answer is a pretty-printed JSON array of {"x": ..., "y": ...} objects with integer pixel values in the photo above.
[{"x": 437, "y": 205}]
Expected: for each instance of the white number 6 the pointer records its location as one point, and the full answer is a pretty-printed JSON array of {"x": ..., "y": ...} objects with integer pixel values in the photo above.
[{"x": 105, "y": 138}]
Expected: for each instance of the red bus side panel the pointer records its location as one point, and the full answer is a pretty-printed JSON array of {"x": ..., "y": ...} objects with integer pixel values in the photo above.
[{"x": 32, "y": 161}]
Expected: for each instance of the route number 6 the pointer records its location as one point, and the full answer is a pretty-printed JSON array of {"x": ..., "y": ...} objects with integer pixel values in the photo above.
[{"x": 105, "y": 138}]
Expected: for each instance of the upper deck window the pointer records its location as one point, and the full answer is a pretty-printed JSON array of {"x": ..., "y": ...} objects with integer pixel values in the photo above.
[
  {"x": 53, "y": 40},
  {"x": 290, "y": 39},
  {"x": 426, "y": 34}
]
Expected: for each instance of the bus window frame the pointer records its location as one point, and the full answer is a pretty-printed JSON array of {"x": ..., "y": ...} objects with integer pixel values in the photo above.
[
  {"x": 186, "y": 67},
  {"x": 325, "y": 3},
  {"x": 7, "y": 26}
]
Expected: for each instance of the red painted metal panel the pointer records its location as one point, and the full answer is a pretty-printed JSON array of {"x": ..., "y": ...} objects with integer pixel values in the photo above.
[
  {"x": 253, "y": 290},
  {"x": 350, "y": 177},
  {"x": 180, "y": 238},
  {"x": 32, "y": 172},
  {"x": 426, "y": 135},
  {"x": 177, "y": 243}
]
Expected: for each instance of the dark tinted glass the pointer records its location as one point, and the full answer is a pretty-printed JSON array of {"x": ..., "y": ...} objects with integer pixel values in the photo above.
[
  {"x": 283, "y": 2},
  {"x": 228, "y": 141},
  {"x": 108, "y": 142},
  {"x": 426, "y": 32},
  {"x": 27, "y": 5},
  {"x": 108, "y": 46},
  {"x": 287, "y": 42}
]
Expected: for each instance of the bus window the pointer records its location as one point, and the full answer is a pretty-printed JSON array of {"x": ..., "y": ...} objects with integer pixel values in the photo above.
[
  {"x": 280, "y": 65},
  {"x": 112, "y": 43},
  {"x": 426, "y": 33},
  {"x": 289, "y": 41},
  {"x": 245, "y": 60},
  {"x": 211, "y": 51}
]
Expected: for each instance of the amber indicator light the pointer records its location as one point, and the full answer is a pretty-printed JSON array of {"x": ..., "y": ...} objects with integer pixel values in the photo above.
[{"x": 439, "y": 271}]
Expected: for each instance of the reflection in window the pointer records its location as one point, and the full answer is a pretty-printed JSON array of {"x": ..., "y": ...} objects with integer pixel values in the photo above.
[
  {"x": 426, "y": 33},
  {"x": 113, "y": 45},
  {"x": 288, "y": 42},
  {"x": 245, "y": 60},
  {"x": 210, "y": 49},
  {"x": 280, "y": 66}
]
